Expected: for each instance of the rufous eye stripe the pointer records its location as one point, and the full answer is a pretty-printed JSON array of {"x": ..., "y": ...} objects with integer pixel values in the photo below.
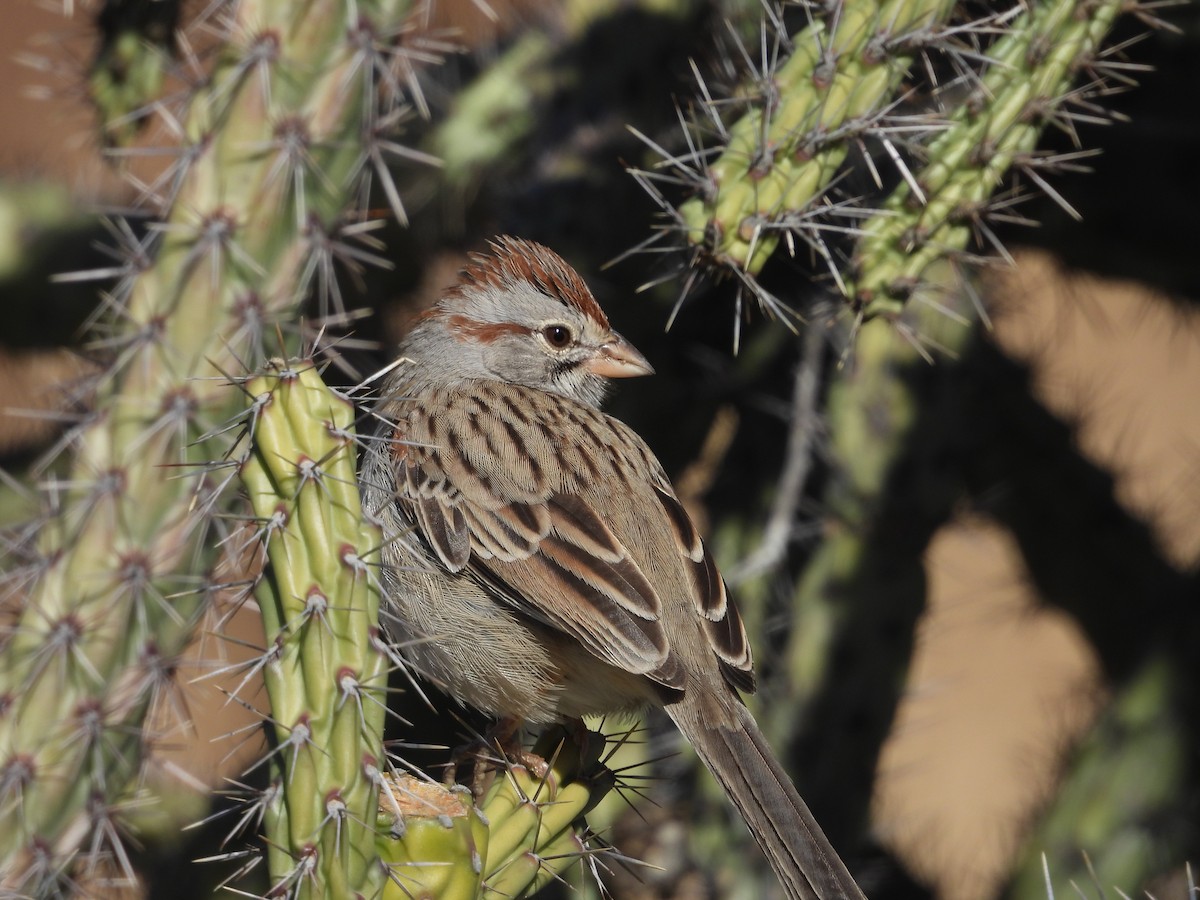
[{"x": 463, "y": 328}]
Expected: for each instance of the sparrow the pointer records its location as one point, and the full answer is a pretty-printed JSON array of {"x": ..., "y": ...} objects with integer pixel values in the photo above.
[{"x": 538, "y": 564}]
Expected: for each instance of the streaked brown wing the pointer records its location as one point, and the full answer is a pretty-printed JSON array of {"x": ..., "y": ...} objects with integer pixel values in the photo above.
[
  {"x": 493, "y": 483},
  {"x": 722, "y": 620}
]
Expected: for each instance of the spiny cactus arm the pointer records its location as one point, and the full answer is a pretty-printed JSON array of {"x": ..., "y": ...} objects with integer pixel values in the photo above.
[
  {"x": 1025, "y": 87},
  {"x": 115, "y": 578},
  {"x": 433, "y": 840},
  {"x": 865, "y": 80},
  {"x": 327, "y": 677},
  {"x": 780, "y": 158},
  {"x": 527, "y": 830},
  {"x": 537, "y": 825}
]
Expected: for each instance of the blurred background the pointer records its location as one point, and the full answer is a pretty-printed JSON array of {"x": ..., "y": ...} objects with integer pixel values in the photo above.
[{"x": 1014, "y": 672}]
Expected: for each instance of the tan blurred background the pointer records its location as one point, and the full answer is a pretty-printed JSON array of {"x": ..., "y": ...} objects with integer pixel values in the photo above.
[{"x": 997, "y": 688}]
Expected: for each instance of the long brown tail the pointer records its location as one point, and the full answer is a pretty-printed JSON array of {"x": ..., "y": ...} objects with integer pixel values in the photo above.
[{"x": 737, "y": 754}]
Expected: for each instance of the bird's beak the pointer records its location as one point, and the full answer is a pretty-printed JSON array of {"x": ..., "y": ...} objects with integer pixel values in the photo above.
[{"x": 617, "y": 358}]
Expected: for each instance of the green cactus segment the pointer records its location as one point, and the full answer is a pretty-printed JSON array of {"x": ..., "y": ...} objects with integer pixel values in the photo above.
[
  {"x": 110, "y": 588},
  {"x": 528, "y": 831},
  {"x": 536, "y": 820},
  {"x": 531, "y": 817},
  {"x": 782, "y": 155},
  {"x": 1030, "y": 71},
  {"x": 432, "y": 839},
  {"x": 327, "y": 678}
]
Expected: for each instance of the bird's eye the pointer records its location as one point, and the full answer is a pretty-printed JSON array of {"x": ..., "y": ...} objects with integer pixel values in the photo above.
[{"x": 557, "y": 336}]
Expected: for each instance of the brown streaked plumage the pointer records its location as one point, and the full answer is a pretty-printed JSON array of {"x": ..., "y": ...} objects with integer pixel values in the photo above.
[{"x": 539, "y": 564}]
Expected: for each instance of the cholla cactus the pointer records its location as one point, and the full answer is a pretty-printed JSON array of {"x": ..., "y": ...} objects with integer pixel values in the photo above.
[
  {"x": 1024, "y": 87},
  {"x": 862, "y": 92},
  {"x": 258, "y": 208},
  {"x": 325, "y": 665},
  {"x": 834, "y": 90},
  {"x": 526, "y": 832}
]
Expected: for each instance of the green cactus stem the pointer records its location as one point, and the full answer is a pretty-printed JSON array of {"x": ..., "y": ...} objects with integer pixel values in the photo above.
[
  {"x": 1026, "y": 83},
  {"x": 779, "y": 159},
  {"x": 432, "y": 839},
  {"x": 537, "y": 819},
  {"x": 328, "y": 673},
  {"x": 107, "y": 586},
  {"x": 527, "y": 830}
]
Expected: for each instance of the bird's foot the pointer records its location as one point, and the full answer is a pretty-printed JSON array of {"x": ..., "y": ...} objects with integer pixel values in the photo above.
[{"x": 498, "y": 749}]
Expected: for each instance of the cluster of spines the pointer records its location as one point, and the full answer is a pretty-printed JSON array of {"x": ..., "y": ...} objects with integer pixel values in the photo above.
[
  {"x": 527, "y": 830},
  {"x": 325, "y": 666},
  {"x": 865, "y": 89},
  {"x": 258, "y": 208},
  {"x": 946, "y": 205},
  {"x": 537, "y": 827},
  {"x": 833, "y": 89}
]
